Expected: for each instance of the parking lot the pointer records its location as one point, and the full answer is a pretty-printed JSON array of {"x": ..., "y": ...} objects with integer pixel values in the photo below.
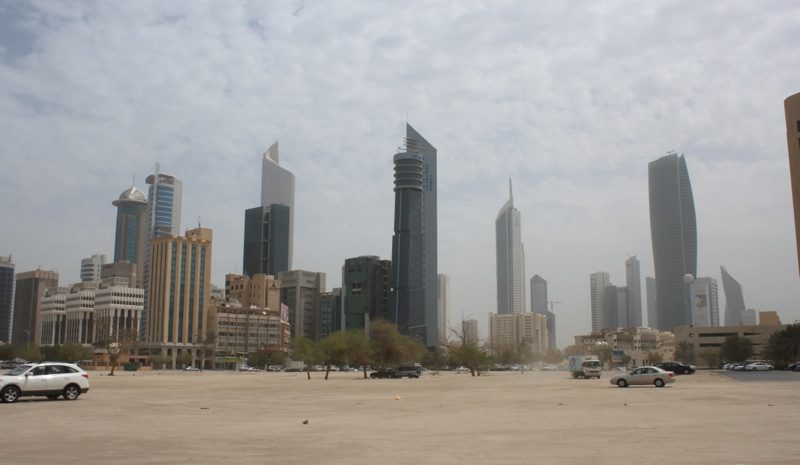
[{"x": 500, "y": 418}]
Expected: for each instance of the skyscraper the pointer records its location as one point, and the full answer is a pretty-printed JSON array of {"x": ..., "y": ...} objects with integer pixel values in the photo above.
[
  {"x": 539, "y": 305},
  {"x": 163, "y": 220},
  {"x": 734, "y": 299},
  {"x": 792, "y": 107},
  {"x": 6, "y": 298},
  {"x": 510, "y": 259},
  {"x": 277, "y": 188},
  {"x": 598, "y": 282},
  {"x": 650, "y": 285},
  {"x": 365, "y": 291},
  {"x": 266, "y": 240},
  {"x": 30, "y": 289},
  {"x": 673, "y": 230},
  {"x": 705, "y": 302},
  {"x": 444, "y": 307},
  {"x": 407, "y": 305},
  {"x": 91, "y": 268},
  {"x": 131, "y": 230},
  {"x": 300, "y": 292},
  {"x": 633, "y": 284}
]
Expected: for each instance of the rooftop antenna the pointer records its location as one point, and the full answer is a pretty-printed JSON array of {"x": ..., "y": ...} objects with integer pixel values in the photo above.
[{"x": 198, "y": 222}]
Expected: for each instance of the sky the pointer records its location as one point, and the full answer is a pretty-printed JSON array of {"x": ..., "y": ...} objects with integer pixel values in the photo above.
[{"x": 571, "y": 100}]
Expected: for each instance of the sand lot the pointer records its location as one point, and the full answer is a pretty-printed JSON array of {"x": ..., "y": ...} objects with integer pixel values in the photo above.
[{"x": 500, "y": 418}]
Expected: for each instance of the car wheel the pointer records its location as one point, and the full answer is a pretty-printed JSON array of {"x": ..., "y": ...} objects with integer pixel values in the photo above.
[
  {"x": 659, "y": 382},
  {"x": 622, "y": 383},
  {"x": 71, "y": 392},
  {"x": 53, "y": 396},
  {"x": 10, "y": 394}
]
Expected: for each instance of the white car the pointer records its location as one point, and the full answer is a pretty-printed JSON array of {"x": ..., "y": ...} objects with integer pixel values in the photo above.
[
  {"x": 643, "y": 376},
  {"x": 758, "y": 366},
  {"x": 49, "y": 379}
]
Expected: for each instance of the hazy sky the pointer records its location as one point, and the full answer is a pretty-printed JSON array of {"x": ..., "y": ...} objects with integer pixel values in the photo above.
[{"x": 570, "y": 99}]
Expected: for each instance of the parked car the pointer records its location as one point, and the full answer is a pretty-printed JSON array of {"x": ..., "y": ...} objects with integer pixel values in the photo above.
[
  {"x": 644, "y": 376},
  {"x": 191, "y": 368},
  {"x": 383, "y": 373},
  {"x": 462, "y": 369},
  {"x": 49, "y": 379},
  {"x": 679, "y": 368},
  {"x": 794, "y": 366},
  {"x": 758, "y": 366},
  {"x": 409, "y": 371}
]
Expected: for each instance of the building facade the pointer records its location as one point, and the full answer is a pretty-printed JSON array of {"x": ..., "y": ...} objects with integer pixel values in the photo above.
[
  {"x": 469, "y": 331},
  {"x": 365, "y": 291},
  {"x": 673, "y": 229},
  {"x": 704, "y": 296},
  {"x": 650, "y": 285},
  {"x": 598, "y": 282},
  {"x": 792, "y": 108},
  {"x": 277, "y": 188},
  {"x": 54, "y": 318},
  {"x": 633, "y": 286},
  {"x": 6, "y": 298},
  {"x": 118, "y": 309},
  {"x": 178, "y": 295},
  {"x": 510, "y": 255},
  {"x": 266, "y": 240},
  {"x": 518, "y": 330},
  {"x": 259, "y": 290},
  {"x": 30, "y": 289},
  {"x": 91, "y": 268},
  {"x": 300, "y": 292},
  {"x": 538, "y": 294},
  {"x": 706, "y": 341},
  {"x": 734, "y": 299},
  {"x": 131, "y": 230},
  {"x": 331, "y": 314},
  {"x": 241, "y": 330},
  {"x": 443, "y": 305}
]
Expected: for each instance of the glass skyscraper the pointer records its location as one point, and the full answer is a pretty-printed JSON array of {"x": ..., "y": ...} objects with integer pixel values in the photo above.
[
  {"x": 673, "y": 229},
  {"x": 734, "y": 299},
  {"x": 510, "y": 259},
  {"x": 131, "y": 230},
  {"x": 6, "y": 298}
]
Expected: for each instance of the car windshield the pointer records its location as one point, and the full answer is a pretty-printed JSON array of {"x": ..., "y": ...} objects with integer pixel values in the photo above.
[{"x": 19, "y": 370}]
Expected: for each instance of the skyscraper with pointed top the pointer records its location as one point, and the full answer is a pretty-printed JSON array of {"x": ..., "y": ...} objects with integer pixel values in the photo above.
[
  {"x": 510, "y": 259},
  {"x": 414, "y": 244},
  {"x": 673, "y": 228},
  {"x": 131, "y": 231}
]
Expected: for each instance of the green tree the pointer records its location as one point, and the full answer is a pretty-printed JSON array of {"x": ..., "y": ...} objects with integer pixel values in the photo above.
[
  {"x": 158, "y": 360},
  {"x": 783, "y": 347},
  {"x": 472, "y": 357},
  {"x": 711, "y": 357},
  {"x": 684, "y": 351},
  {"x": 389, "y": 347},
  {"x": 334, "y": 349},
  {"x": 736, "y": 348},
  {"x": 184, "y": 358},
  {"x": 304, "y": 350},
  {"x": 359, "y": 352}
]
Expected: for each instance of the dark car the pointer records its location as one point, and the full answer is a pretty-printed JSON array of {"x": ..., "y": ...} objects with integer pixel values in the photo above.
[
  {"x": 794, "y": 366},
  {"x": 384, "y": 373},
  {"x": 679, "y": 368}
]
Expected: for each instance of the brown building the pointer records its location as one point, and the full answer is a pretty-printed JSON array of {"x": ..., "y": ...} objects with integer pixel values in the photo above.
[
  {"x": 792, "y": 107},
  {"x": 122, "y": 269},
  {"x": 260, "y": 290},
  {"x": 31, "y": 287},
  {"x": 179, "y": 294},
  {"x": 707, "y": 340}
]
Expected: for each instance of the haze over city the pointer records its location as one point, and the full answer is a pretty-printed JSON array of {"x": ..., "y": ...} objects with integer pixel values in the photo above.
[{"x": 570, "y": 100}]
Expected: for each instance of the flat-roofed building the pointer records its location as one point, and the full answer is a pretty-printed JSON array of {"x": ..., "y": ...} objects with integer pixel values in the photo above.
[
  {"x": 239, "y": 330},
  {"x": 54, "y": 318},
  {"x": 516, "y": 330},
  {"x": 30, "y": 289},
  {"x": 706, "y": 341}
]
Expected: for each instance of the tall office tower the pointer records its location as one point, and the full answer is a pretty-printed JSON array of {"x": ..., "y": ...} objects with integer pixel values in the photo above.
[
  {"x": 266, "y": 240},
  {"x": 734, "y": 299},
  {"x": 704, "y": 302},
  {"x": 407, "y": 305},
  {"x": 538, "y": 294},
  {"x": 330, "y": 312},
  {"x": 443, "y": 308},
  {"x": 163, "y": 220},
  {"x": 615, "y": 308},
  {"x": 673, "y": 229},
  {"x": 300, "y": 291},
  {"x": 365, "y": 291},
  {"x": 510, "y": 259},
  {"x": 749, "y": 317},
  {"x": 6, "y": 298},
  {"x": 178, "y": 293},
  {"x": 469, "y": 331},
  {"x": 91, "y": 268},
  {"x": 792, "y": 107},
  {"x": 598, "y": 282},
  {"x": 259, "y": 290},
  {"x": 633, "y": 284},
  {"x": 30, "y": 289},
  {"x": 277, "y": 188},
  {"x": 131, "y": 230},
  {"x": 54, "y": 317},
  {"x": 650, "y": 285}
]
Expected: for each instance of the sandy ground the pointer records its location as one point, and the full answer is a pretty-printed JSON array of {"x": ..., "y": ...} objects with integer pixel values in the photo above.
[{"x": 500, "y": 418}]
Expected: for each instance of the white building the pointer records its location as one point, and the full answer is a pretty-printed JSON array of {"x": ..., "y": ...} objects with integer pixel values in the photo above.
[
  {"x": 119, "y": 309},
  {"x": 53, "y": 316},
  {"x": 277, "y": 187},
  {"x": 518, "y": 330},
  {"x": 704, "y": 302},
  {"x": 91, "y": 267},
  {"x": 510, "y": 259}
]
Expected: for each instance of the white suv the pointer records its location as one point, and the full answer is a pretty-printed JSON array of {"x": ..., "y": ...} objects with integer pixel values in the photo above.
[{"x": 49, "y": 379}]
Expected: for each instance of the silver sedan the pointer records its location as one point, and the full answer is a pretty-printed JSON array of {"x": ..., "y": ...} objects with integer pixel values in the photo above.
[{"x": 644, "y": 376}]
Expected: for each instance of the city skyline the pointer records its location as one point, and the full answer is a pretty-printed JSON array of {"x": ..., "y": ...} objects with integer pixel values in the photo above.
[{"x": 555, "y": 96}]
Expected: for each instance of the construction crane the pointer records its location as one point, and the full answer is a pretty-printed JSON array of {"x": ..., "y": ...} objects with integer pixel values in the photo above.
[{"x": 553, "y": 304}]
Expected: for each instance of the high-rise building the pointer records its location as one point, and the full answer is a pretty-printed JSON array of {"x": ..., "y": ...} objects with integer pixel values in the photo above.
[
  {"x": 118, "y": 308},
  {"x": 598, "y": 282},
  {"x": 444, "y": 308},
  {"x": 131, "y": 232},
  {"x": 407, "y": 305},
  {"x": 178, "y": 293},
  {"x": 300, "y": 291},
  {"x": 30, "y": 289},
  {"x": 673, "y": 229},
  {"x": 91, "y": 268},
  {"x": 792, "y": 107},
  {"x": 469, "y": 331},
  {"x": 330, "y": 312},
  {"x": 277, "y": 188},
  {"x": 734, "y": 299},
  {"x": 365, "y": 291},
  {"x": 259, "y": 290},
  {"x": 749, "y": 317},
  {"x": 514, "y": 330},
  {"x": 652, "y": 318},
  {"x": 123, "y": 269},
  {"x": 266, "y": 240},
  {"x": 163, "y": 220},
  {"x": 704, "y": 301},
  {"x": 6, "y": 298},
  {"x": 510, "y": 259},
  {"x": 615, "y": 308},
  {"x": 633, "y": 285},
  {"x": 538, "y": 294}
]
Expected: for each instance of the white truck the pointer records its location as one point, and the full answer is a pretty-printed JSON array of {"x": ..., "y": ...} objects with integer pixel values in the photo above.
[{"x": 584, "y": 366}]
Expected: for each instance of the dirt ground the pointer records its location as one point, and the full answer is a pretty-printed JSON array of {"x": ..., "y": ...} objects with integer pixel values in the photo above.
[{"x": 449, "y": 418}]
